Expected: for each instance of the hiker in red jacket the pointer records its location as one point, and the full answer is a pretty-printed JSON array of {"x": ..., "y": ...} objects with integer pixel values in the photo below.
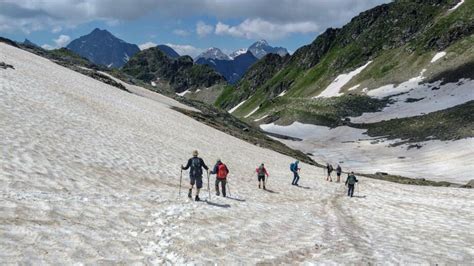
[
  {"x": 261, "y": 173},
  {"x": 221, "y": 172}
]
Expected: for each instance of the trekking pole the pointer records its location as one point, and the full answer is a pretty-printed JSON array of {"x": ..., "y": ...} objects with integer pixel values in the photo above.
[
  {"x": 208, "y": 187},
  {"x": 180, "y": 180}
]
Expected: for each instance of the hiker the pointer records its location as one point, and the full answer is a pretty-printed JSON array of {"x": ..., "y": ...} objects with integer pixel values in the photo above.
[
  {"x": 294, "y": 168},
  {"x": 261, "y": 173},
  {"x": 338, "y": 173},
  {"x": 330, "y": 169},
  {"x": 350, "y": 182},
  {"x": 195, "y": 173},
  {"x": 221, "y": 172}
]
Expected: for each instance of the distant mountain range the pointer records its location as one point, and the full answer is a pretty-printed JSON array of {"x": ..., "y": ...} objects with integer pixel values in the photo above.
[
  {"x": 234, "y": 66},
  {"x": 103, "y": 48}
]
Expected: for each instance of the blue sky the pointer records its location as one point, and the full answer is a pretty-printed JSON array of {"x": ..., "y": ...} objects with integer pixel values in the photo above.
[{"x": 189, "y": 26}]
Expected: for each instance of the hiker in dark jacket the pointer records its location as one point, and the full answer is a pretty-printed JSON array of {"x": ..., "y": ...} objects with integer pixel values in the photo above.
[
  {"x": 261, "y": 173},
  {"x": 338, "y": 173},
  {"x": 294, "y": 169},
  {"x": 350, "y": 182},
  {"x": 195, "y": 173},
  {"x": 221, "y": 172},
  {"x": 330, "y": 169}
]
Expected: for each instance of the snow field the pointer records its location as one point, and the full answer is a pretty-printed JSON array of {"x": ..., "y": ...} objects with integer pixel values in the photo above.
[
  {"x": 435, "y": 160},
  {"x": 90, "y": 175}
]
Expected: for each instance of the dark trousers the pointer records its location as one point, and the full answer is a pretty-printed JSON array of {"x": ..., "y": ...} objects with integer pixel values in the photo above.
[
  {"x": 350, "y": 192},
  {"x": 223, "y": 183},
  {"x": 296, "y": 178}
]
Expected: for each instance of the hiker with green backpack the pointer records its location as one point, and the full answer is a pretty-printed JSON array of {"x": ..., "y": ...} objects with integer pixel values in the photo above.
[
  {"x": 350, "y": 182},
  {"x": 195, "y": 173}
]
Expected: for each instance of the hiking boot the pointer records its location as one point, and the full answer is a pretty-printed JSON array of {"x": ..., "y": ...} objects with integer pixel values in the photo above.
[
  {"x": 197, "y": 198},
  {"x": 258, "y": 185},
  {"x": 264, "y": 188},
  {"x": 190, "y": 195},
  {"x": 217, "y": 193},
  {"x": 223, "y": 195}
]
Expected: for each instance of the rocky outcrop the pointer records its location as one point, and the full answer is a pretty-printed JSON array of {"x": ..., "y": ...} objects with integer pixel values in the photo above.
[{"x": 180, "y": 73}]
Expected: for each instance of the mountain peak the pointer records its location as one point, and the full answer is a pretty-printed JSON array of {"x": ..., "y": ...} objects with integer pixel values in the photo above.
[
  {"x": 261, "y": 48},
  {"x": 213, "y": 53},
  {"x": 103, "y": 48}
]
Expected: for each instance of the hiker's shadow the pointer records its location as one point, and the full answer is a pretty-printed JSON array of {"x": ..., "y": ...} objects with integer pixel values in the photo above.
[
  {"x": 360, "y": 196},
  {"x": 303, "y": 187},
  {"x": 217, "y": 204},
  {"x": 232, "y": 198},
  {"x": 270, "y": 191}
]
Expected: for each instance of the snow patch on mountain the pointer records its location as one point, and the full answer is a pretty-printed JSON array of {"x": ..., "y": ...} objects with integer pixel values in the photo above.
[
  {"x": 333, "y": 90},
  {"x": 457, "y": 5},
  {"x": 238, "y": 52},
  {"x": 422, "y": 99},
  {"x": 438, "y": 56},
  {"x": 252, "y": 112},
  {"x": 236, "y": 107},
  {"x": 391, "y": 89}
]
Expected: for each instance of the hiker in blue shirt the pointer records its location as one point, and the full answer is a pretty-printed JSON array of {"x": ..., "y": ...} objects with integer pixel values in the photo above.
[{"x": 294, "y": 168}]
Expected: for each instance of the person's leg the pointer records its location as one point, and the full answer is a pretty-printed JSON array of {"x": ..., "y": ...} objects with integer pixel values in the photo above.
[
  {"x": 294, "y": 178},
  {"x": 348, "y": 190},
  {"x": 217, "y": 187},
  {"x": 192, "y": 181},
  {"x": 263, "y": 181},
  {"x": 223, "y": 183},
  {"x": 198, "y": 186},
  {"x": 259, "y": 181},
  {"x": 351, "y": 190},
  {"x": 297, "y": 178}
]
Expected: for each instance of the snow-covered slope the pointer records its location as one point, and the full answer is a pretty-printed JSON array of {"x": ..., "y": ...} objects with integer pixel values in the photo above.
[
  {"x": 433, "y": 160},
  {"x": 90, "y": 175}
]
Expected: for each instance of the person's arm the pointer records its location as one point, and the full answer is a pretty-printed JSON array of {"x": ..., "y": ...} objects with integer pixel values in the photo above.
[
  {"x": 356, "y": 179},
  {"x": 187, "y": 165},
  {"x": 204, "y": 165},
  {"x": 214, "y": 171},
  {"x": 266, "y": 172},
  {"x": 227, "y": 169},
  {"x": 347, "y": 180}
]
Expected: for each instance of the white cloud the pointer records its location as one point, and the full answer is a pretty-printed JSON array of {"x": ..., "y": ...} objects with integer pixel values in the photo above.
[
  {"x": 262, "y": 29},
  {"x": 185, "y": 49},
  {"x": 147, "y": 45},
  {"x": 47, "y": 47},
  {"x": 182, "y": 33},
  {"x": 203, "y": 29},
  {"x": 62, "y": 40},
  {"x": 33, "y": 15}
]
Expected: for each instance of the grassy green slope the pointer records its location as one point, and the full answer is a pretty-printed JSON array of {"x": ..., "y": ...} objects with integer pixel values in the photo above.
[{"x": 400, "y": 38}]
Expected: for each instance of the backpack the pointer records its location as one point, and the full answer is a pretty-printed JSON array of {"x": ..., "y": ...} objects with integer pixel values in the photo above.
[
  {"x": 261, "y": 171},
  {"x": 292, "y": 167},
  {"x": 221, "y": 171},
  {"x": 196, "y": 167}
]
